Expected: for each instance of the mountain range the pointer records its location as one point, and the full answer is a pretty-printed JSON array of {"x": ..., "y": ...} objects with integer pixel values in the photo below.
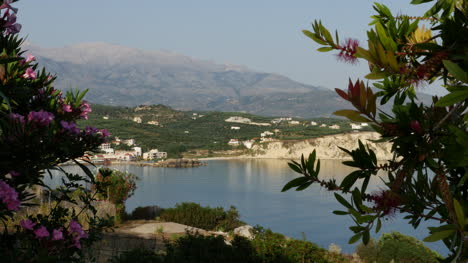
[{"x": 118, "y": 75}]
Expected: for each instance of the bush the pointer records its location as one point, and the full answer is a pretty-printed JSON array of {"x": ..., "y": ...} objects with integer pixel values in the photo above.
[
  {"x": 207, "y": 218},
  {"x": 145, "y": 212},
  {"x": 197, "y": 248},
  {"x": 398, "y": 247},
  {"x": 276, "y": 248},
  {"x": 142, "y": 255}
]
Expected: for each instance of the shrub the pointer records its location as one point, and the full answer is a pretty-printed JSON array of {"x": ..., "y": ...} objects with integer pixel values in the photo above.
[
  {"x": 142, "y": 255},
  {"x": 197, "y": 248},
  {"x": 145, "y": 212},
  {"x": 275, "y": 247},
  {"x": 207, "y": 218},
  {"x": 398, "y": 247}
]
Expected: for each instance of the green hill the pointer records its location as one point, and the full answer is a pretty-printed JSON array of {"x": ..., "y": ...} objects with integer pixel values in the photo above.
[{"x": 177, "y": 132}]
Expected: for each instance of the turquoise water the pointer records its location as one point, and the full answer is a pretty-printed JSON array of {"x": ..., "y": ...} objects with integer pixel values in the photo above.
[{"x": 254, "y": 187}]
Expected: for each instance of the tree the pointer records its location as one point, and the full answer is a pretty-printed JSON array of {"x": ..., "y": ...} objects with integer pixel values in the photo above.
[
  {"x": 38, "y": 131},
  {"x": 427, "y": 177}
]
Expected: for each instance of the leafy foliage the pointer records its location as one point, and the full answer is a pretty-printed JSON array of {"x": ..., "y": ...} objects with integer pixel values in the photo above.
[
  {"x": 398, "y": 247},
  {"x": 207, "y": 218},
  {"x": 427, "y": 178}
]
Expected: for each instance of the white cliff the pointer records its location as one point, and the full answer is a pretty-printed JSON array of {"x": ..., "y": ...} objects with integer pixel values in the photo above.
[{"x": 326, "y": 147}]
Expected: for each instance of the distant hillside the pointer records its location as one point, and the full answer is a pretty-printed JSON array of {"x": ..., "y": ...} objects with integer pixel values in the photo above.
[
  {"x": 180, "y": 132},
  {"x": 117, "y": 75}
]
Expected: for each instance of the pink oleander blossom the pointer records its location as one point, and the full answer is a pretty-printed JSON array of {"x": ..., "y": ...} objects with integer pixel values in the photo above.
[
  {"x": 30, "y": 58},
  {"x": 10, "y": 25},
  {"x": 16, "y": 117},
  {"x": 27, "y": 224},
  {"x": 105, "y": 133},
  {"x": 89, "y": 130},
  {"x": 67, "y": 108},
  {"x": 41, "y": 232},
  {"x": 348, "y": 50},
  {"x": 85, "y": 109},
  {"x": 57, "y": 234},
  {"x": 77, "y": 232},
  {"x": 70, "y": 127},
  {"x": 42, "y": 118},
  {"x": 30, "y": 74},
  {"x": 7, "y": 4},
  {"x": 9, "y": 196}
]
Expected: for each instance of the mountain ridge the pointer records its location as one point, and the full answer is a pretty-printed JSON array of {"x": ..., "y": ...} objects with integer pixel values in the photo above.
[{"x": 118, "y": 75}]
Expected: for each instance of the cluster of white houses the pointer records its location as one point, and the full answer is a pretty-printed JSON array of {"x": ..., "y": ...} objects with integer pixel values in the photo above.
[{"x": 111, "y": 154}]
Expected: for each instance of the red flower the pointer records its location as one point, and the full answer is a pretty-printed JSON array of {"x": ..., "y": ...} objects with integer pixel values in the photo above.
[{"x": 348, "y": 50}]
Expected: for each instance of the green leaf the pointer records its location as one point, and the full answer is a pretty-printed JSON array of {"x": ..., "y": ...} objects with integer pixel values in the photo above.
[
  {"x": 459, "y": 212},
  {"x": 340, "y": 213},
  {"x": 352, "y": 115},
  {"x": 438, "y": 236},
  {"x": 9, "y": 60},
  {"x": 376, "y": 75},
  {"x": 304, "y": 186},
  {"x": 366, "y": 237},
  {"x": 295, "y": 168},
  {"x": 325, "y": 49},
  {"x": 349, "y": 180},
  {"x": 379, "y": 226},
  {"x": 355, "y": 238},
  {"x": 452, "y": 98},
  {"x": 456, "y": 71},
  {"x": 343, "y": 201},
  {"x": 463, "y": 180},
  {"x": 294, "y": 183}
]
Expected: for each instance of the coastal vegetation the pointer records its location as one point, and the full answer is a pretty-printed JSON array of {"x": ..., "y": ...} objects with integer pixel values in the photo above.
[
  {"x": 427, "y": 177},
  {"x": 179, "y": 132}
]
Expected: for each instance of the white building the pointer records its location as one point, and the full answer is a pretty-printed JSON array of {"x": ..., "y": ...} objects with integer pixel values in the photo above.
[
  {"x": 105, "y": 117},
  {"x": 294, "y": 122},
  {"x": 323, "y": 125},
  {"x": 334, "y": 127},
  {"x": 137, "y": 119},
  {"x": 154, "y": 154},
  {"x": 313, "y": 123},
  {"x": 106, "y": 147},
  {"x": 137, "y": 151},
  {"x": 129, "y": 142},
  {"x": 238, "y": 119},
  {"x": 364, "y": 124},
  {"x": 266, "y": 133},
  {"x": 355, "y": 126},
  {"x": 153, "y": 122},
  {"x": 235, "y": 128},
  {"x": 186, "y": 132},
  {"x": 234, "y": 142}
]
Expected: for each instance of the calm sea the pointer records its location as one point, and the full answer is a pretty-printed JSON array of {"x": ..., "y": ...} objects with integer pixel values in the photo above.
[{"x": 254, "y": 188}]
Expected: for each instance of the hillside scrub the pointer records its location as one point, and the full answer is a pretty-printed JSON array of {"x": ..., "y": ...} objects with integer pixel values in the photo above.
[{"x": 204, "y": 217}]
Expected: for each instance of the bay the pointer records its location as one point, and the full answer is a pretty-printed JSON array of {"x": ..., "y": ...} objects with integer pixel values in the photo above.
[{"x": 254, "y": 186}]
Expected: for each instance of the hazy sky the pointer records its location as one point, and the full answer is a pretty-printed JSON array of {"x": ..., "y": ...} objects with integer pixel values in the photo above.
[{"x": 264, "y": 35}]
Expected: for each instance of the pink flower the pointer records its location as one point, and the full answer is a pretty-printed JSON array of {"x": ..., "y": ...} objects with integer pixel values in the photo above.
[
  {"x": 67, "y": 108},
  {"x": 105, "y": 133},
  {"x": 70, "y": 126},
  {"x": 30, "y": 58},
  {"x": 42, "y": 118},
  {"x": 14, "y": 173},
  {"x": 78, "y": 233},
  {"x": 16, "y": 117},
  {"x": 41, "y": 232},
  {"x": 11, "y": 27},
  {"x": 89, "y": 130},
  {"x": 348, "y": 50},
  {"x": 57, "y": 234},
  {"x": 27, "y": 224},
  {"x": 85, "y": 109},
  {"x": 9, "y": 196},
  {"x": 30, "y": 74},
  {"x": 7, "y": 4}
]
